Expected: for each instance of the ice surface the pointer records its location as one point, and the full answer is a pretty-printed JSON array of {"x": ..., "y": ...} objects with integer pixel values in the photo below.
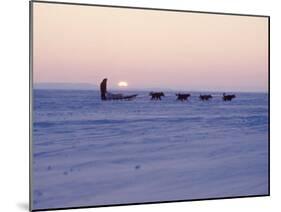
[{"x": 89, "y": 152}]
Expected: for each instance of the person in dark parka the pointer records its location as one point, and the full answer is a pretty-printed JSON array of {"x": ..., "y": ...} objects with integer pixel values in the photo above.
[{"x": 103, "y": 90}]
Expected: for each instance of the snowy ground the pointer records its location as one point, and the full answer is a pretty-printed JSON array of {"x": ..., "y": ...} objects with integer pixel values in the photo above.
[{"x": 87, "y": 152}]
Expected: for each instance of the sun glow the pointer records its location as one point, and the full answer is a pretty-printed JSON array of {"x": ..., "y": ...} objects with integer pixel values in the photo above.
[{"x": 122, "y": 84}]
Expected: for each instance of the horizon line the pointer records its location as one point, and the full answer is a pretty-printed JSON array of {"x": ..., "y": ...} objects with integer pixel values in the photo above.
[
  {"x": 152, "y": 90},
  {"x": 91, "y": 86}
]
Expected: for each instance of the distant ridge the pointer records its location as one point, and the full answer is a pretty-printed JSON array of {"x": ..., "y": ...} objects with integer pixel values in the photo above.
[
  {"x": 89, "y": 86},
  {"x": 65, "y": 86}
]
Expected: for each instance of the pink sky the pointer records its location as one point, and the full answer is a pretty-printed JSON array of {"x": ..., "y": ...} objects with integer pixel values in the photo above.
[{"x": 148, "y": 49}]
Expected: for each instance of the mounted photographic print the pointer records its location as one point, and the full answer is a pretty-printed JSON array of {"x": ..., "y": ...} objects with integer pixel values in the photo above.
[{"x": 138, "y": 105}]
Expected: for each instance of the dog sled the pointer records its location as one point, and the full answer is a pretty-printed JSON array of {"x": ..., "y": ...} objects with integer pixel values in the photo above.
[{"x": 111, "y": 96}]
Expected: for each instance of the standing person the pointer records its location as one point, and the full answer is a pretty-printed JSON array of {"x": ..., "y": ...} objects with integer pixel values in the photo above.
[{"x": 103, "y": 90}]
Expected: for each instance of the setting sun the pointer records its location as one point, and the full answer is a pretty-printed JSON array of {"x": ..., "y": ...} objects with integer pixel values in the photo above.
[{"x": 122, "y": 84}]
